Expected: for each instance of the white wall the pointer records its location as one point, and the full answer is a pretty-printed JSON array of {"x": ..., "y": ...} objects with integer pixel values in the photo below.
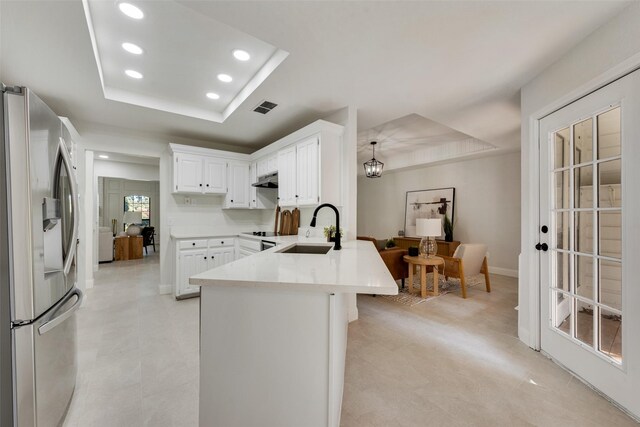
[
  {"x": 133, "y": 171},
  {"x": 606, "y": 54},
  {"x": 348, "y": 117},
  {"x": 487, "y": 203}
]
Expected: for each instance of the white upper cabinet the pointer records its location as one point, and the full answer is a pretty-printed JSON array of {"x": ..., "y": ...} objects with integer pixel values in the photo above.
[
  {"x": 272, "y": 164},
  {"x": 307, "y": 177},
  {"x": 260, "y": 198},
  {"x": 308, "y": 162},
  {"x": 261, "y": 167},
  {"x": 215, "y": 175},
  {"x": 253, "y": 191},
  {"x": 267, "y": 165},
  {"x": 310, "y": 171},
  {"x": 188, "y": 173},
  {"x": 238, "y": 185},
  {"x": 287, "y": 176},
  {"x": 194, "y": 173}
]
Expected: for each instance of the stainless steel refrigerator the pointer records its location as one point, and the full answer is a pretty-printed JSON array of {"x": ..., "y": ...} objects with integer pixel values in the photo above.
[{"x": 38, "y": 240}]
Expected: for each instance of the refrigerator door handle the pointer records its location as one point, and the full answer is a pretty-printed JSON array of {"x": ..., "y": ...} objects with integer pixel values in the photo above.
[
  {"x": 71, "y": 250},
  {"x": 56, "y": 320}
]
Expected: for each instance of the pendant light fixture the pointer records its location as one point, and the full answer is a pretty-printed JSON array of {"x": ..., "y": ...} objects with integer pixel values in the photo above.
[{"x": 373, "y": 168}]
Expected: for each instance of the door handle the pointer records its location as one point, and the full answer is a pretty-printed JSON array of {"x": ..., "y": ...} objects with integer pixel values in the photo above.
[
  {"x": 542, "y": 247},
  {"x": 55, "y": 321},
  {"x": 71, "y": 250}
]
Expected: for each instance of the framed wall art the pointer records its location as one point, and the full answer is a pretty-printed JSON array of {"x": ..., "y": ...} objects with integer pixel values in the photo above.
[{"x": 428, "y": 204}]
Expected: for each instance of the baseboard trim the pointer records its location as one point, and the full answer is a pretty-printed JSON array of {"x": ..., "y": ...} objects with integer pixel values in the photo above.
[
  {"x": 503, "y": 271},
  {"x": 523, "y": 335},
  {"x": 165, "y": 289}
]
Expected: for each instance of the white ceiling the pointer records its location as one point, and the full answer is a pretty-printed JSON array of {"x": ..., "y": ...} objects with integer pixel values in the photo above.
[
  {"x": 458, "y": 63},
  {"x": 399, "y": 142},
  {"x": 406, "y": 134},
  {"x": 183, "y": 52},
  {"x": 124, "y": 158}
]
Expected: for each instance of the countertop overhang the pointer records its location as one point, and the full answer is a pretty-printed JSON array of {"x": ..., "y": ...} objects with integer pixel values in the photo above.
[{"x": 357, "y": 268}]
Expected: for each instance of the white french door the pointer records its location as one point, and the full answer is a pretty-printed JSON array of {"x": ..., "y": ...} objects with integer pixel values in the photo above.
[{"x": 590, "y": 239}]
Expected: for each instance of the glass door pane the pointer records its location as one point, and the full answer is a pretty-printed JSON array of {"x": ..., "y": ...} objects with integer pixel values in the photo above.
[{"x": 587, "y": 245}]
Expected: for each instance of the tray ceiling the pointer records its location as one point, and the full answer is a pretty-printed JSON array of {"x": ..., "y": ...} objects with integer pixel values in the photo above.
[{"x": 183, "y": 53}]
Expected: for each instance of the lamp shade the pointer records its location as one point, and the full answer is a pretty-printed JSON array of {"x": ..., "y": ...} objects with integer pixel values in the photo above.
[
  {"x": 131, "y": 217},
  {"x": 428, "y": 227}
]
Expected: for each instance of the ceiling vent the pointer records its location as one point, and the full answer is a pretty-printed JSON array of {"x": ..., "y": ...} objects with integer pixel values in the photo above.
[{"x": 264, "y": 107}]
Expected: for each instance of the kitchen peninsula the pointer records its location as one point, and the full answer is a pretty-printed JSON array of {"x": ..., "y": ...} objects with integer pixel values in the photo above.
[{"x": 273, "y": 332}]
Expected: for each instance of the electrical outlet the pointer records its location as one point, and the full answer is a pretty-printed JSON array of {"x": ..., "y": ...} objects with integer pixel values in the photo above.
[{"x": 187, "y": 200}]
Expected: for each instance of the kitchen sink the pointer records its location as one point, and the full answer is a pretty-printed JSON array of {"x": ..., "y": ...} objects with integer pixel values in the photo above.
[{"x": 306, "y": 249}]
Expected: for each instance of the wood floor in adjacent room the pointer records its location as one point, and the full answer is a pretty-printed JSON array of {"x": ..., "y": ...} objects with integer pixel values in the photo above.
[{"x": 445, "y": 362}]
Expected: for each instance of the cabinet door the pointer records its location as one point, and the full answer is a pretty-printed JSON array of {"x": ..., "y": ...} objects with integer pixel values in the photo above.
[
  {"x": 215, "y": 175},
  {"x": 188, "y": 173},
  {"x": 238, "y": 180},
  {"x": 262, "y": 167},
  {"x": 253, "y": 191},
  {"x": 191, "y": 262},
  {"x": 220, "y": 256},
  {"x": 272, "y": 164},
  {"x": 307, "y": 172},
  {"x": 287, "y": 176}
]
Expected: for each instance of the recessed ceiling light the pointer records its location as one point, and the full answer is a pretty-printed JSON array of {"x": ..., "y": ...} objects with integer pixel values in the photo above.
[
  {"x": 225, "y": 78},
  {"x": 212, "y": 95},
  {"x": 103, "y": 156},
  {"x": 241, "y": 55},
  {"x": 132, "y": 48},
  {"x": 131, "y": 11},
  {"x": 133, "y": 74}
]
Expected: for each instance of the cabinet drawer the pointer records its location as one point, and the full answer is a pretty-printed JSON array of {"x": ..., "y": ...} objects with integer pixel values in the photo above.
[
  {"x": 251, "y": 245},
  {"x": 221, "y": 242},
  {"x": 192, "y": 244}
]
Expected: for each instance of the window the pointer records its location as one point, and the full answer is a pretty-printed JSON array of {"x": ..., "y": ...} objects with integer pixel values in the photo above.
[{"x": 135, "y": 203}]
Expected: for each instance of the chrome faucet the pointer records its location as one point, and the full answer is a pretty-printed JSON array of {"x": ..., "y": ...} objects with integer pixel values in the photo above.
[{"x": 337, "y": 246}]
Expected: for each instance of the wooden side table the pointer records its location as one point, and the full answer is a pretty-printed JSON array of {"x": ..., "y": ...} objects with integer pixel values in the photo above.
[
  {"x": 423, "y": 262},
  {"x": 135, "y": 247},
  {"x": 128, "y": 247},
  {"x": 121, "y": 244}
]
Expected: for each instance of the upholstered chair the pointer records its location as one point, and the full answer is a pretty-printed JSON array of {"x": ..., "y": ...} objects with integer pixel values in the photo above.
[
  {"x": 105, "y": 244},
  {"x": 468, "y": 260}
]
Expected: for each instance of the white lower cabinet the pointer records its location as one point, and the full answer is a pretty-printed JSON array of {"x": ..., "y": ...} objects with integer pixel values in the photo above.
[
  {"x": 195, "y": 256},
  {"x": 219, "y": 256},
  {"x": 190, "y": 262}
]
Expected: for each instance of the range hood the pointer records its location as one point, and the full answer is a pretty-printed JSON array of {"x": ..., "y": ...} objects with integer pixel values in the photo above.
[{"x": 267, "y": 181}]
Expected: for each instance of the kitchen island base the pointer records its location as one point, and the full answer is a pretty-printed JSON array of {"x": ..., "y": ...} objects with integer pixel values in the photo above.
[{"x": 271, "y": 357}]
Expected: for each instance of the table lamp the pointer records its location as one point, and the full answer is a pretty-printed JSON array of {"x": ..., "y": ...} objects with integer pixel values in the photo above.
[
  {"x": 133, "y": 218},
  {"x": 428, "y": 229}
]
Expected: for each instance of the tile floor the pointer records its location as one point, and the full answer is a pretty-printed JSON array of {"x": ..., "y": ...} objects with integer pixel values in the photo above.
[{"x": 446, "y": 362}]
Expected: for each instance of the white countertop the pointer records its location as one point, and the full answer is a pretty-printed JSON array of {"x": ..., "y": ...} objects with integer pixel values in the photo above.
[
  {"x": 201, "y": 234},
  {"x": 204, "y": 232},
  {"x": 357, "y": 268}
]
